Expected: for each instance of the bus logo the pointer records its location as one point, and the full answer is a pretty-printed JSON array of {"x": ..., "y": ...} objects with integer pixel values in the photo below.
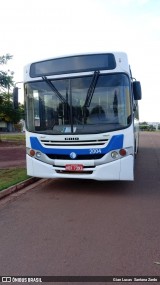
[
  {"x": 72, "y": 139},
  {"x": 73, "y": 155}
]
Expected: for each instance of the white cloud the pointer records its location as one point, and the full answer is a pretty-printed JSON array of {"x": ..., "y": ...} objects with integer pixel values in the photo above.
[{"x": 32, "y": 30}]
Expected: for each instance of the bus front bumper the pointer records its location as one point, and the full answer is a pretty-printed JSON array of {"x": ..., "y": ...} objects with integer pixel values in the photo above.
[{"x": 121, "y": 169}]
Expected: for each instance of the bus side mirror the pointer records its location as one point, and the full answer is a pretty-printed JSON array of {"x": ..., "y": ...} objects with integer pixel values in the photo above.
[
  {"x": 15, "y": 98},
  {"x": 137, "y": 90}
]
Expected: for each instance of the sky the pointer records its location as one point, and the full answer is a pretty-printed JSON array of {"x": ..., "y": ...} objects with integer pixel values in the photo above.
[{"x": 32, "y": 30}]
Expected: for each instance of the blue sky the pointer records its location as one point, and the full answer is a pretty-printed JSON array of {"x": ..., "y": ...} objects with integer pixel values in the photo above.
[{"x": 35, "y": 29}]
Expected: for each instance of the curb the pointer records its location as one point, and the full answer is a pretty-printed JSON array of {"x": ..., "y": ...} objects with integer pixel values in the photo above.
[{"x": 18, "y": 186}]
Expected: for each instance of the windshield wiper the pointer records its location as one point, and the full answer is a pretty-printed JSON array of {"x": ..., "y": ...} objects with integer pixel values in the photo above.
[
  {"x": 91, "y": 89},
  {"x": 54, "y": 89}
]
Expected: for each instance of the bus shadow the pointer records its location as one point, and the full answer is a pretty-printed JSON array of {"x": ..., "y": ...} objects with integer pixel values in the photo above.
[{"x": 90, "y": 187}]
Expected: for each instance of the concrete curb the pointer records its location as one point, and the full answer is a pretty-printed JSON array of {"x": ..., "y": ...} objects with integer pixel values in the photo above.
[{"x": 18, "y": 187}]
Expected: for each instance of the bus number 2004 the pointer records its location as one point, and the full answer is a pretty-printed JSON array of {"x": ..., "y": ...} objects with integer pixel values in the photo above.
[{"x": 94, "y": 150}]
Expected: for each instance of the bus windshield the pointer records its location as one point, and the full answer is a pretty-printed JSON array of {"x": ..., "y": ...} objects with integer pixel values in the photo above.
[{"x": 81, "y": 105}]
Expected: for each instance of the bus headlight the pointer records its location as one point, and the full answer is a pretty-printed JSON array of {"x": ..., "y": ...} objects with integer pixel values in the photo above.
[
  {"x": 38, "y": 154},
  {"x": 33, "y": 153},
  {"x": 114, "y": 154}
]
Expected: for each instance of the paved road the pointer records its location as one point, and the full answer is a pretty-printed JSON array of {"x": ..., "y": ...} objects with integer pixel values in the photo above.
[{"x": 75, "y": 227}]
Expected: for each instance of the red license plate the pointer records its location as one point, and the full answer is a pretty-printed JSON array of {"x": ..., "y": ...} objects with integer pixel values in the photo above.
[{"x": 74, "y": 167}]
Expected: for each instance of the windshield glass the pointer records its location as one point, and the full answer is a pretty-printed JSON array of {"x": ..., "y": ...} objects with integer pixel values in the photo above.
[{"x": 81, "y": 105}]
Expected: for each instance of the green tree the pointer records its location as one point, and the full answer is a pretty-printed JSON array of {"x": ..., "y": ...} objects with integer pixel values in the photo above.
[
  {"x": 151, "y": 128},
  {"x": 7, "y": 113},
  {"x": 144, "y": 126},
  {"x": 6, "y": 77}
]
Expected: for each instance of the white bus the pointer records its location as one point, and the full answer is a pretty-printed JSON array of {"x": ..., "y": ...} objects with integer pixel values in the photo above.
[{"x": 81, "y": 117}]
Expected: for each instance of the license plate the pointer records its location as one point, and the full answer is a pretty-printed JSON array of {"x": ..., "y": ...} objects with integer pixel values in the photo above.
[{"x": 74, "y": 167}]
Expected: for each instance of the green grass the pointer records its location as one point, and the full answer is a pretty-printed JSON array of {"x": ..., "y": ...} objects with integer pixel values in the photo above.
[
  {"x": 20, "y": 137},
  {"x": 12, "y": 176}
]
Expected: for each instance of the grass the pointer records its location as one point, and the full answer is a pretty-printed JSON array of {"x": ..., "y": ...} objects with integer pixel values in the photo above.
[
  {"x": 20, "y": 137},
  {"x": 12, "y": 176}
]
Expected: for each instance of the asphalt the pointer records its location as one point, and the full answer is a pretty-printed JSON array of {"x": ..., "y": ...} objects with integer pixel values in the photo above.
[{"x": 70, "y": 227}]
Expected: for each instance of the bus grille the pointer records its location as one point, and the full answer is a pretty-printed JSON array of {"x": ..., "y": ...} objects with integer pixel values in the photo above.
[
  {"x": 79, "y": 157},
  {"x": 74, "y": 143}
]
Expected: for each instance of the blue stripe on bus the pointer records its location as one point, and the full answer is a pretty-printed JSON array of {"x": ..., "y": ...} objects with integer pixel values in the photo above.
[{"x": 116, "y": 142}]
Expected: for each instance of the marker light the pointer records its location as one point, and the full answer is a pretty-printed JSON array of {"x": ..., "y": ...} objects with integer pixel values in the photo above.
[
  {"x": 114, "y": 154},
  {"x": 122, "y": 152},
  {"x": 32, "y": 152}
]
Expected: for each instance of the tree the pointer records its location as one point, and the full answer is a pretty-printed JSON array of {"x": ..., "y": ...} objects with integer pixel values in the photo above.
[
  {"x": 7, "y": 113},
  {"x": 143, "y": 126},
  {"x": 6, "y": 77},
  {"x": 152, "y": 128}
]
